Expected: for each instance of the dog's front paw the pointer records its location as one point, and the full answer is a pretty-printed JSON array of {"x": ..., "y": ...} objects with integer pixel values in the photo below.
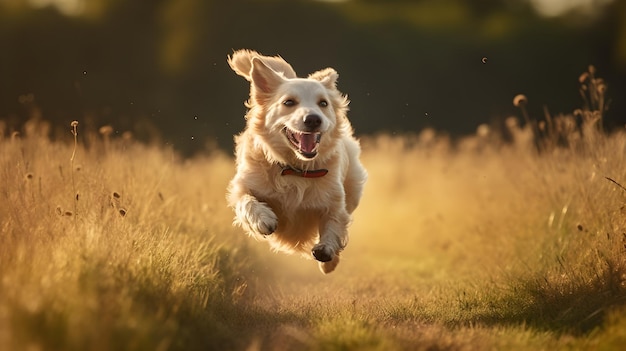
[
  {"x": 323, "y": 253},
  {"x": 262, "y": 220}
]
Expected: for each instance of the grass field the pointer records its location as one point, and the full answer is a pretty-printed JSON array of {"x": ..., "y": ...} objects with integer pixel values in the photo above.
[{"x": 110, "y": 244}]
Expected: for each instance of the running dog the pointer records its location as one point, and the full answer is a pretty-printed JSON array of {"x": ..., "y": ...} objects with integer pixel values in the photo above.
[{"x": 298, "y": 177}]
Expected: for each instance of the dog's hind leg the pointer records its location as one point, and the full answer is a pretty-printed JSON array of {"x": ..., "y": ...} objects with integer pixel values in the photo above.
[
  {"x": 333, "y": 239},
  {"x": 327, "y": 267}
]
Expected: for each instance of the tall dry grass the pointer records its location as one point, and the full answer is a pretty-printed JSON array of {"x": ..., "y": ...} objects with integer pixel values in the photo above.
[
  {"x": 116, "y": 246},
  {"x": 510, "y": 239}
]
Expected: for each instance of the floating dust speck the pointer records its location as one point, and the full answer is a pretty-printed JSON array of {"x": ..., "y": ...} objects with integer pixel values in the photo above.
[{"x": 484, "y": 60}]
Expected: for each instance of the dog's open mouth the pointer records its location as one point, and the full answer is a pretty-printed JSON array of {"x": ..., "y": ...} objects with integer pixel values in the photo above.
[{"x": 306, "y": 143}]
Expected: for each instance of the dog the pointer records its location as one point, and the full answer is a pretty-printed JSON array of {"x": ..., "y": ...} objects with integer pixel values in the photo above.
[{"x": 298, "y": 174}]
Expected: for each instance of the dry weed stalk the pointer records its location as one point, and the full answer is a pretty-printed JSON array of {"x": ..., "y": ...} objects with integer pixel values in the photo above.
[
  {"x": 593, "y": 91},
  {"x": 616, "y": 183},
  {"x": 567, "y": 130},
  {"x": 106, "y": 132},
  {"x": 74, "y": 131}
]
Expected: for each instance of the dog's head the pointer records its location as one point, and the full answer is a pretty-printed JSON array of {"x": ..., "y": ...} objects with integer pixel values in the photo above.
[{"x": 299, "y": 117}]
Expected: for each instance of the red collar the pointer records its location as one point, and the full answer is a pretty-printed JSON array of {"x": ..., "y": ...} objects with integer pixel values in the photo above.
[{"x": 313, "y": 173}]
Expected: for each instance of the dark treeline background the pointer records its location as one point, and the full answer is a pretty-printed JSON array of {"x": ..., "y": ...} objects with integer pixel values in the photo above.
[{"x": 159, "y": 66}]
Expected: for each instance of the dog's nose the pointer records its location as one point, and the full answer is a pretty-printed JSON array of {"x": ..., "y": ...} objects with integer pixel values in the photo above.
[{"x": 312, "y": 122}]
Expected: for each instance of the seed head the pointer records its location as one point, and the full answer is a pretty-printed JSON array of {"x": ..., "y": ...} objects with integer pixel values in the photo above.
[
  {"x": 74, "y": 126},
  {"x": 592, "y": 69},
  {"x": 482, "y": 130},
  {"x": 106, "y": 130},
  {"x": 511, "y": 122},
  {"x": 127, "y": 136},
  {"x": 583, "y": 77},
  {"x": 519, "y": 100}
]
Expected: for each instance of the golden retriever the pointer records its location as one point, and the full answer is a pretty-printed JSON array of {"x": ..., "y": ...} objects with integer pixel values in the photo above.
[{"x": 298, "y": 176}]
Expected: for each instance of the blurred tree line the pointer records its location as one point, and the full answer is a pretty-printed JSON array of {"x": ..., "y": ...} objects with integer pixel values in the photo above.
[{"x": 159, "y": 66}]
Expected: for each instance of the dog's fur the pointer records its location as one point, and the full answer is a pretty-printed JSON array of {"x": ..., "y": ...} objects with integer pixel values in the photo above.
[{"x": 299, "y": 123}]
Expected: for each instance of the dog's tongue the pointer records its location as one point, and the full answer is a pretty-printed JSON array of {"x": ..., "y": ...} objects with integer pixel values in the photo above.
[{"x": 308, "y": 142}]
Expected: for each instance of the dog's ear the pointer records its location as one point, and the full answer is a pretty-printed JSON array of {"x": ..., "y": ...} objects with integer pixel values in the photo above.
[
  {"x": 264, "y": 79},
  {"x": 327, "y": 76},
  {"x": 241, "y": 63},
  {"x": 279, "y": 65}
]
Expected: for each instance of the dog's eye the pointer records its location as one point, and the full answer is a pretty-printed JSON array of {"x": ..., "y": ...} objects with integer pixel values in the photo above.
[
  {"x": 289, "y": 102},
  {"x": 323, "y": 103}
]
